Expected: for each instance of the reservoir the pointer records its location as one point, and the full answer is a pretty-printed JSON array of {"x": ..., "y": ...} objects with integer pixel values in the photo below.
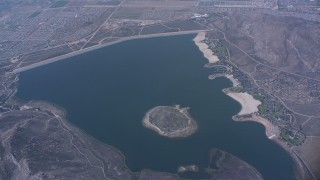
[{"x": 106, "y": 93}]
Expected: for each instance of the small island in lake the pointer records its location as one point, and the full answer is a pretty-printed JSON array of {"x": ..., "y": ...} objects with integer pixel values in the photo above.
[{"x": 170, "y": 121}]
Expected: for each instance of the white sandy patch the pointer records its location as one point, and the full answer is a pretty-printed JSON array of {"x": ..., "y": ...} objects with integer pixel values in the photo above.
[
  {"x": 204, "y": 48},
  {"x": 248, "y": 103},
  {"x": 25, "y": 107},
  {"x": 234, "y": 81}
]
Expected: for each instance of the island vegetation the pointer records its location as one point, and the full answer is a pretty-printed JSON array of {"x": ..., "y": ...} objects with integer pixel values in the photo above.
[{"x": 170, "y": 121}]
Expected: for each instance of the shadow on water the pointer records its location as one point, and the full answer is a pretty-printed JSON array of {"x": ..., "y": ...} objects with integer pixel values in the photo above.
[{"x": 107, "y": 92}]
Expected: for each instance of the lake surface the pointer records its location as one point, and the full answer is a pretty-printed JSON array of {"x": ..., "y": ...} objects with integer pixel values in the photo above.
[{"x": 107, "y": 92}]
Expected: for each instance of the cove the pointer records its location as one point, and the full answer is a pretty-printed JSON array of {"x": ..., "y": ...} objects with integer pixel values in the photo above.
[{"x": 106, "y": 93}]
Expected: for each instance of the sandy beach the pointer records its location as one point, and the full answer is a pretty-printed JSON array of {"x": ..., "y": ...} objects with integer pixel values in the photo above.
[
  {"x": 234, "y": 81},
  {"x": 267, "y": 124},
  {"x": 248, "y": 103},
  {"x": 204, "y": 48}
]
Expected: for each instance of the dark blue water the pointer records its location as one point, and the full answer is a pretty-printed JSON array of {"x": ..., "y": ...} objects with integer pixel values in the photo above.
[{"x": 106, "y": 93}]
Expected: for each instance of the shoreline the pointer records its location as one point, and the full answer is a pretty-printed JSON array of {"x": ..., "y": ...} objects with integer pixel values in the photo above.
[
  {"x": 301, "y": 170},
  {"x": 98, "y": 46},
  {"x": 258, "y": 119},
  {"x": 204, "y": 48},
  {"x": 299, "y": 167}
]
